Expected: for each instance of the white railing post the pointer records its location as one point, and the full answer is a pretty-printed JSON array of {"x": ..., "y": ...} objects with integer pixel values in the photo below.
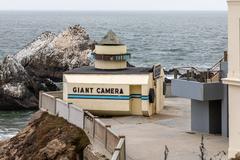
[
  {"x": 106, "y": 141},
  {"x": 55, "y": 105},
  {"x": 115, "y": 155},
  {"x": 40, "y": 100},
  {"x": 94, "y": 125},
  {"x": 84, "y": 113},
  {"x": 69, "y": 103},
  {"x": 83, "y": 119},
  {"x": 124, "y": 147}
]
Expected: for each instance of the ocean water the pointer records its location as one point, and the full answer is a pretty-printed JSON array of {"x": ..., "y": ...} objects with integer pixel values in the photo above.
[
  {"x": 12, "y": 122},
  {"x": 173, "y": 39}
]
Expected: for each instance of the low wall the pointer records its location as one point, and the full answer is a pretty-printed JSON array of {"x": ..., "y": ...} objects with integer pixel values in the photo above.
[
  {"x": 197, "y": 90},
  {"x": 57, "y": 94},
  {"x": 49, "y": 103},
  {"x": 92, "y": 125},
  {"x": 168, "y": 92},
  {"x": 62, "y": 109},
  {"x": 76, "y": 115}
]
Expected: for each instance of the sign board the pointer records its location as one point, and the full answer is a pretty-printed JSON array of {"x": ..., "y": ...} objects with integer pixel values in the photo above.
[
  {"x": 92, "y": 90},
  {"x": 157, "y": 71},
  {"x": 97, "y": 89}
]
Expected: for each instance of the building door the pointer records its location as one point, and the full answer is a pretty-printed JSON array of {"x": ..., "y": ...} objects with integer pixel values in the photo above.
[{"x": 135, "y": 99}]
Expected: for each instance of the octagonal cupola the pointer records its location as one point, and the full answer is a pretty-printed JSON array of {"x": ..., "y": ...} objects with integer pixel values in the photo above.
[{"x": 110, "y": 53}]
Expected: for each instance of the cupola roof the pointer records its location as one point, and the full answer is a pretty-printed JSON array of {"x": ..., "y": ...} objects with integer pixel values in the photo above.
[{"x": 110, "y": 39}]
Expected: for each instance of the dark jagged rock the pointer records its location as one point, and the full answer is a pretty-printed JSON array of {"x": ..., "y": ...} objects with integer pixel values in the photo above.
[
  {"x": 192, "y": 75},
  {"x": 16, "y": 88},
  {"x": 40, "y": 64},
  {"x": 172, "y": 71}
]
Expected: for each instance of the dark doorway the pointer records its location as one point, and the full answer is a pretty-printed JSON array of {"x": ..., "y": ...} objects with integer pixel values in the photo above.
[{"x": 215, "y": 114}]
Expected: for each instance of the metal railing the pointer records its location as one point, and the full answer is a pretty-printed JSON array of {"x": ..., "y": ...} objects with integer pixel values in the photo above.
[
  {"x": 92, "y": 125},
  {"x": 210, "y": 75}
]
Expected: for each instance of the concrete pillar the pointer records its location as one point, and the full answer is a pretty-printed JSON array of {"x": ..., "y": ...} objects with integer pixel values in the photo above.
[
  {"x": 158, "y": 95},
  {"x": 159, "y": 92},
  {"x": 234, "y": 118},
  {"x": 233, "y": 79},
  {"x": 225, "y": 111},
  {"x": 40, "y": 100},
  {"x": 200, "y": 116},
  {"x": 224, "y": 71},
  {"x": 206, "y": 116},
  {"x": 234, "y": 39}
]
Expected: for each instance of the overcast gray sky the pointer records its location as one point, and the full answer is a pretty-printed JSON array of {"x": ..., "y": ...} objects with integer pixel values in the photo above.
[{"x": 113, "y": 5}]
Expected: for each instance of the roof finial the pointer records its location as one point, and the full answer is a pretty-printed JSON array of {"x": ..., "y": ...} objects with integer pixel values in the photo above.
[{"x": 110, "y": 39}]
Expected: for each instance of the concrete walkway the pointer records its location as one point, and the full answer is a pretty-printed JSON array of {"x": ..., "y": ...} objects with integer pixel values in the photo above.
[{"x": 147, "y": 136}]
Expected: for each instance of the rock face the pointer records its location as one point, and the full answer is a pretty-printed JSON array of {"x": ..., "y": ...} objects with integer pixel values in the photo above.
[
  {"x": 41, "y": 62},
  {"x": 237, "y": 157},
  {"x": 46, "y": 137}
]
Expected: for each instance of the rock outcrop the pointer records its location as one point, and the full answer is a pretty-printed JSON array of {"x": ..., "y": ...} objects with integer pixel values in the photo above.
[
  {"x": 40, "y": 64},
  {"x": 237, "y": 157},
  {"x": 49, "y": 55},
  {"x": 46, "y": 137}
]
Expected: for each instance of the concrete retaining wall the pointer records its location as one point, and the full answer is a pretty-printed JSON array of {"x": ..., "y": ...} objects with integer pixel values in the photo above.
[
  {"x": 168, "y": 92},
  {"x": 62, "y": 109},
  {"x": 57, "y": 94},
  {"x": 197, "y": 90},
  {"x": 49, "y": 103},
  {"x": 76, "y": 115}
]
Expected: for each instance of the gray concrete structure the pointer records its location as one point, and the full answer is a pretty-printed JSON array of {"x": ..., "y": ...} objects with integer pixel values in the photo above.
[
  {"x": 224, "y": 71},
  {"x": 225, "y": 111},
  {"x": 206, "y": 116},
  {"x": 199, "y": 118},
  {"x": 168, "y": 91},
  {"x": 209, "y": 103},
  {"x": 197, "y": 90}
]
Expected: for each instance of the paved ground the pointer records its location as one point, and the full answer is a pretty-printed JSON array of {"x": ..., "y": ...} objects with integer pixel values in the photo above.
[{"x": 146, "y": 137}]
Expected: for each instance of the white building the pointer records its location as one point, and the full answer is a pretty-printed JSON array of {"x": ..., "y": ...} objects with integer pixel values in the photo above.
[
  {"x": 233, "y": 79},
  {"x": 113, "y": 88}
]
